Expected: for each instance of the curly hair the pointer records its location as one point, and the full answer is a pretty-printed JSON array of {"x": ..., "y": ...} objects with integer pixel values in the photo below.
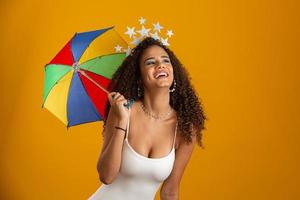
[{"x": 184, "y": 99}]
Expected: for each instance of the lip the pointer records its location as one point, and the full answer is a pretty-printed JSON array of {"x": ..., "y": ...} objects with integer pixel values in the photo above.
[{"x": 161, "y": 72}]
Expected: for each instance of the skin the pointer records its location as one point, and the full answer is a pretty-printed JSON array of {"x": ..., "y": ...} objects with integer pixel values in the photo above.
[{"x": 157, "y": 137}]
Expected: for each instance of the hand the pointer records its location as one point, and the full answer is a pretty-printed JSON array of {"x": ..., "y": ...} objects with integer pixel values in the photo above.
[{"x": 117, "y": 103}]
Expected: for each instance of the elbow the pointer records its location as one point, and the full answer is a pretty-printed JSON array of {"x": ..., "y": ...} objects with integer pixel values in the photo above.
[
  {"x": 106, "y": 180},
  {"x": 106, "y": 176}
]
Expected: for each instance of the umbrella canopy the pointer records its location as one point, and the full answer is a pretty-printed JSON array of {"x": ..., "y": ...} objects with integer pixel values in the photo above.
[{"x": 76, "y": 79}]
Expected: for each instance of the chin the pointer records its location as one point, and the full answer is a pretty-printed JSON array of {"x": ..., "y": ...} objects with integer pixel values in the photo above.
[{"x": 163, "y": 85}]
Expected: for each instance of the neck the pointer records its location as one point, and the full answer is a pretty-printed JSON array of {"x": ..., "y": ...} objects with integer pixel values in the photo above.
[{"x": 157, "y": 102}]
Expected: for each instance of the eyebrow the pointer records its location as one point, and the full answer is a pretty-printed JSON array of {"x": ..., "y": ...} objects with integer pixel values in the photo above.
[{"x": 153, "y": 57}]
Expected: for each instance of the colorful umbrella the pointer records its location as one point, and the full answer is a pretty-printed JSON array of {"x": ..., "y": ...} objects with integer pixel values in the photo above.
[{"x": 76, "y": 79}]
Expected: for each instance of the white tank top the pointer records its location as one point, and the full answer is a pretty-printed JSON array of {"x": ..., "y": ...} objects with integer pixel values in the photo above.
[{"x": 139, "y": 177}]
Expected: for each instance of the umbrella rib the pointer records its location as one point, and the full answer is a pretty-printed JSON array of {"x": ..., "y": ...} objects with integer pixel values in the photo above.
[
  {"x": 84, "y": 74},
  {"x": 120, "y": 36},
  {"x": 100, "y": 57}
]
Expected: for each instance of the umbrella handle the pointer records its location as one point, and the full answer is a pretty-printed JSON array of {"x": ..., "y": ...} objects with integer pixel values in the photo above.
[{"x": 129, "y": 103}]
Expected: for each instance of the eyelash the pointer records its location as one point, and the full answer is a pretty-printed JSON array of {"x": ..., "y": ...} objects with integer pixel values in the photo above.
[{"x": 152, "y": 62}]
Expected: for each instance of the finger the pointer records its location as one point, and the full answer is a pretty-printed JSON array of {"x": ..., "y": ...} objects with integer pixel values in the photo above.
[
  {"x": 111, "y": 95},
  {"x": 114, "y": 95},
  {"x": 118, "y": 97},
  {"x": 121, "y": 102}
]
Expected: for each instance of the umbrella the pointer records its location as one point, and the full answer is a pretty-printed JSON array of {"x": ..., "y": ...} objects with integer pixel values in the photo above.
[{"x": 76, "y": 79}]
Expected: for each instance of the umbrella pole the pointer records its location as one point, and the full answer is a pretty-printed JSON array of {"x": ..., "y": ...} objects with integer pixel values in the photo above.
[
  {"x": 84, "y": 74},
  {"x": 128, "y": 104}
]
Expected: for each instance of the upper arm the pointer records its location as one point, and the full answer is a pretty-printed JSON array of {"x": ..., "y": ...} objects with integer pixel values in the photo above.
[
  {"x": 111, "y": 120},
  {"x": 183, "y": 155}
]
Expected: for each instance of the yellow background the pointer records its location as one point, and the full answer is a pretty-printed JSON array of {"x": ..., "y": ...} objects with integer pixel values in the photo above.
[{"x": 243, "y": 57}]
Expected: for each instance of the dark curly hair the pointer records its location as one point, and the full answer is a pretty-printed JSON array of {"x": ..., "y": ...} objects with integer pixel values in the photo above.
[{"x": 184, "y": 99}]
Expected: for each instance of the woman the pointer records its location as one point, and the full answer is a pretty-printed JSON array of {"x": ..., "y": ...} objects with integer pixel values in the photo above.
[{"x": 150, "y": 142}]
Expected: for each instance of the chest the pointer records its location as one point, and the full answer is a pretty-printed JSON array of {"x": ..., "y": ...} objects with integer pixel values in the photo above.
[
  {"x": 149, "y": 138},
  {"x": 138, "y": 167}
]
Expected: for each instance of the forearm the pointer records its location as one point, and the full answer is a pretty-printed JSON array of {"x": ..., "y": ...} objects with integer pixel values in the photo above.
[
  {"x": 169, "y": 191},
  {"x": 110, "y": 159}
]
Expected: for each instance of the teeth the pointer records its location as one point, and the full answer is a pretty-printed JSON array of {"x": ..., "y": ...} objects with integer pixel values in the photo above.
[{"x": 162, "y": 73}]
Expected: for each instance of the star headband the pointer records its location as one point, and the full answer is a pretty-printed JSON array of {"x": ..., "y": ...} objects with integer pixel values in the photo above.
[{"x": 137, "y": 36}]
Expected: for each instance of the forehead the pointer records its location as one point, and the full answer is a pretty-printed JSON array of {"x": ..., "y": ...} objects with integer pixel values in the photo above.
[{"x": 153, "y": 51}]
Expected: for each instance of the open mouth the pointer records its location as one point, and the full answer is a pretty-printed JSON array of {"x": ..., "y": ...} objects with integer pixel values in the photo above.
[{"x": 161, "y": 75}]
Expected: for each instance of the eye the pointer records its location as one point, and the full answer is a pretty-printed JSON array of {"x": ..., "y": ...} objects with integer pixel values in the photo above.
[
  {"x": 166, "y": 60},
  {"x": 150, "y": 63}
]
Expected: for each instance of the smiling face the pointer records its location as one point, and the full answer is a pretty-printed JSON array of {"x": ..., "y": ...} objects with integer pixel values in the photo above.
[{"x": 156, "y": 68}]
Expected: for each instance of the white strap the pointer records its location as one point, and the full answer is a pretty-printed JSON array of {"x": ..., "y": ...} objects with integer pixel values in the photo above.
[
  {"x": 127, "y": 129},
  {"x": 175, "y": 134}
]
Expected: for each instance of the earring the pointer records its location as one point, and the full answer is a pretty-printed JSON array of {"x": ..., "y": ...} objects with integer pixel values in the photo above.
[
  {"x": 139, "y": 91},
  {"x": 173, "y": 87}
]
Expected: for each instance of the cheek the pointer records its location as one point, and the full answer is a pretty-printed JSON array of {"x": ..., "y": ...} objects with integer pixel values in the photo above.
[
  {"x": 147, "y": 75},
  {"x": 171, "y": 72}
]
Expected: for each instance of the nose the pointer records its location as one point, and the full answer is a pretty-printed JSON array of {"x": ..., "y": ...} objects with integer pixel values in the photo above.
[{"x": 160, "y": 65}]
